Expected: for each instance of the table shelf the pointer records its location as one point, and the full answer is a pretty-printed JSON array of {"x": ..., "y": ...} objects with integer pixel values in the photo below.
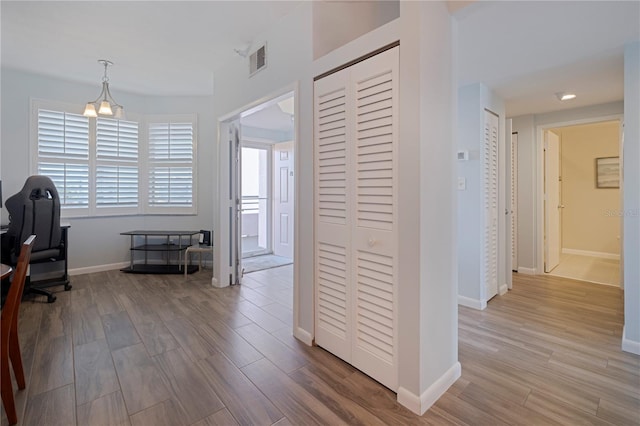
[
  {"x": 160, "y": 247},
  {"x": 153, "y": 241}
]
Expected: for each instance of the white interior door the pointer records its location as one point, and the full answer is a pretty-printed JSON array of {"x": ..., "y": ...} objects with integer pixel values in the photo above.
[
  {"x": 552, "y": 201},
  {"x": 332, "y": 243},
  {"x": 374, "y": 224},
  {"x": 514, "y": 201},
  {"x": 235, "y": 206},
  {"x": 490, "y": 205},
  {"x": 283, "y": 199},
  {"x": 507, "y": 196},
  {"x": 355, "y": 136}
]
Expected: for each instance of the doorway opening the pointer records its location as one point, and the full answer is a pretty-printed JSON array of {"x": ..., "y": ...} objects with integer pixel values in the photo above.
[
  {"x": 267, "y": 204},
  {"x": 582, "y": 195},
  {"x": 261, "y": 164},
  {"x": 256, "y": 200}
]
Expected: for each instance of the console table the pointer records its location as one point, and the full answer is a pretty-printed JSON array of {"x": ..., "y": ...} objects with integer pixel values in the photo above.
[{"x": 166, "y": 242}]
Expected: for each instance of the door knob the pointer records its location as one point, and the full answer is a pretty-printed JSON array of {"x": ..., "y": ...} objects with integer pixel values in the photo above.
[
  {"x": 561, "y": 206},
  {"x": 372, "y": 242}
]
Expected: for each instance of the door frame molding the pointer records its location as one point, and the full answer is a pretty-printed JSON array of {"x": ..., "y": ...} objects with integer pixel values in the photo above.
[
  {"x": 539, "y": 180},
  {"x": 223, "y": 122}
]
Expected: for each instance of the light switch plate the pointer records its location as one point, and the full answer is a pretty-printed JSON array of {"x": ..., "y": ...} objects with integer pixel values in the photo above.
[{"x": 462, "y": 184}]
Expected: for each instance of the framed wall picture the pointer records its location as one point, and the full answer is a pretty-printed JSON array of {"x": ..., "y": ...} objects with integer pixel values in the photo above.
[{"x": 608, "y": 172}]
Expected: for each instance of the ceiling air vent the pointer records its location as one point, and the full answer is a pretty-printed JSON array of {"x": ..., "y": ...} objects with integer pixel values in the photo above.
[{"x": 258, "y": 60}]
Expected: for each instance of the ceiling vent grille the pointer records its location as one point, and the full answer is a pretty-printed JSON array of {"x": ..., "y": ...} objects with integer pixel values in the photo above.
[{"x": 258, "y": 60}]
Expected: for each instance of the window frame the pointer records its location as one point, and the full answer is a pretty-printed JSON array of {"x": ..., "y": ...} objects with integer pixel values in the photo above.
[{"x": 143, "y": 162}]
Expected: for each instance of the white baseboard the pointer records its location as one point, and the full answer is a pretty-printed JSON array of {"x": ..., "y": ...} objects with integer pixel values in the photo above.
[
  {"x": 629, "y": 345},
  {"x": 471, "y": 303},
  {"x": 216, "y": 284},
  {"x": 503, "y": 289},
  {"x": 98, "y": 268},
  {"x": 526, "y": 271},
  {"x": 303, "y": 335},
  {"x": 599, "y": 254},
  {"x": 420, "y": 404}
]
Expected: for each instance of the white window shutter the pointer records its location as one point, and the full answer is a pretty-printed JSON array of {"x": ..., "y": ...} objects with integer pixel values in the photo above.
[
  {"x": 63, "y": 155},
  {"x": 117, "y": 183},
  {"x": 171, "y": 166}
]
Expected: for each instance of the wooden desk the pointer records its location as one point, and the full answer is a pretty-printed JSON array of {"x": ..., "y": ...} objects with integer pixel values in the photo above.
[{"x": 6, "y": 271}]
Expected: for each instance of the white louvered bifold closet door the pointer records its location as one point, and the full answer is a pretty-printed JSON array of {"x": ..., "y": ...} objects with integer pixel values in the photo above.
[
  {"x": 514, "y": 201},
  {"x": 490, "y": 205},
  {"x": 358, "y": 261},
  {"x": 332, "y": 248}
]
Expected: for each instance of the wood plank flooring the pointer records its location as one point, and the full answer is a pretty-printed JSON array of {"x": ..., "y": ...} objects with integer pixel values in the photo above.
[{"x": 125, "y": 349}]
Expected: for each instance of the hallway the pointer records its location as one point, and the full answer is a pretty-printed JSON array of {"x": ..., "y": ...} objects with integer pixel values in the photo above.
[{"x": 587, "y": 268}]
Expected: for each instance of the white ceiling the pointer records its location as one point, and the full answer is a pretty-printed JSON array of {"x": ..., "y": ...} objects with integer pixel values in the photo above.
[
  {"x": 524, "y": 50},
  {"x": 160, "y": 47}
]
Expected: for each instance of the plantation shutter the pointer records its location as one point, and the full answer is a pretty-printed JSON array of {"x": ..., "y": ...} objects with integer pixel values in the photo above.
[
  {"x": 63, "y": 155},
  {"x": 116, "y": 163},
  {"x": 171, "y": 165}
]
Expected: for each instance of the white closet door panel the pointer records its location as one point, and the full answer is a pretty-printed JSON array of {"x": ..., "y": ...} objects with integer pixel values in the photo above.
[
  {"x": 374, "y": 236},
  {"x": 332, "y": 248},
  {"x": 331, "y": 149},
  {"x": 490, "y": 205},
  {"x": 332, "y": 324},
  {"x": 514, "y": 201}
]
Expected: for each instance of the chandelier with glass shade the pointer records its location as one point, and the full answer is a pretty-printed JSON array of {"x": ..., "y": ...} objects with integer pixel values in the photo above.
[{"x": 104, "y": 104}]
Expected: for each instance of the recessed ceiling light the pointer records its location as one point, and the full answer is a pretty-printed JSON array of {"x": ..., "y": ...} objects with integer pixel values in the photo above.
[{"x": 565, "y": 96}]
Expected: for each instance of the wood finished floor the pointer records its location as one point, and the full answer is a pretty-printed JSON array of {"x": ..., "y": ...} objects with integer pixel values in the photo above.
[{"x": 124, "y": 349}]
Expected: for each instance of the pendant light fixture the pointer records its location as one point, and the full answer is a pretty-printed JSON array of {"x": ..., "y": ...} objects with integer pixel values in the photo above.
[{"x": 105, "y": 103}]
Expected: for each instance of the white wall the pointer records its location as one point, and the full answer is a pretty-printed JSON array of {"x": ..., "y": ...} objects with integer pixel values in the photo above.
[
  {"x": 348, "y": 20},
  {"x": 631, "y": 198},
  {"x": 96, "y": 243},
  {"x": 530, "y": 176},
  {"x": 427, "y": 202},
  {"x": 473, "y": 99}
]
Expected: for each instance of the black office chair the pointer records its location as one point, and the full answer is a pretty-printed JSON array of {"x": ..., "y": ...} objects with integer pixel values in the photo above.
[{"x": 35, "y": 210}]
